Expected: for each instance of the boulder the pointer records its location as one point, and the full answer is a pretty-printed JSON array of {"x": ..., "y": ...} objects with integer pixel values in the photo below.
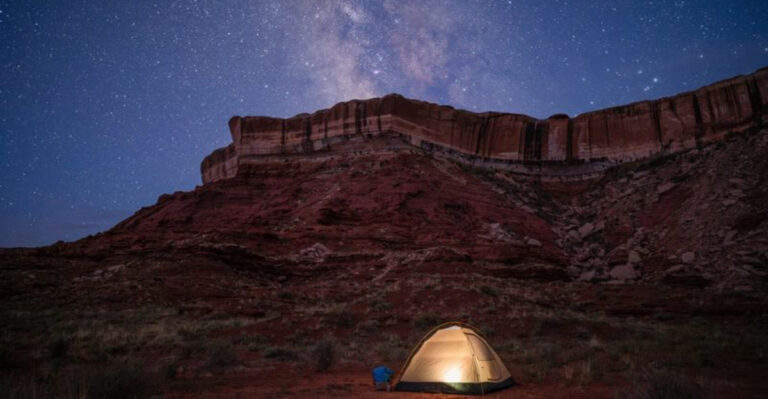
[
  {"x": 664, "y": 188},
  {"x": 688, "y": 257},
  {"x": 533, "y": 242},
  {"x": 586, "y": 230},
  {"x": 623, "y": 272},
  {"x": 315, "y": 253},
  {"x": 587, "y": 275}
]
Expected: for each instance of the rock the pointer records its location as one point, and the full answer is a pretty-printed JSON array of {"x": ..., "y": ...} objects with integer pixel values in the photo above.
[
  {"x": 573, "y": 270},
  {"x": 599, "y": 226},
  {"x": 633, "y": 257},
  {"x": 674, "y": 269},
  {"x": 664, "y": 188},
  {"x": 623, "y": 272},
  {"x": 729, "y": 202},
  {"x": 316, "y": 253},
  {"x": 587, "y": 276},
  {"x": 115, "y": 268},
  {"x": 574, "y": 234},
  {"x": 586, "y": 230},
  {"x": 688, "y": 257},
  {"x": 627, "y": 193},
  {"x": 533, "y": 242}
]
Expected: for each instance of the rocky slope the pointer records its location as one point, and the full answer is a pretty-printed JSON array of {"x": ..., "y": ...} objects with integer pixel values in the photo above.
[{"x": 696, "y": 217}]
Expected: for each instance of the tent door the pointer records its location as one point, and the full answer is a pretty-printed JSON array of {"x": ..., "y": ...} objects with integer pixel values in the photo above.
[{"x": 486, "y": 362}]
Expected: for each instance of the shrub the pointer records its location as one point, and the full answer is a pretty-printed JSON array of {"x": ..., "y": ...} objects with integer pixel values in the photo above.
[
  {"x": 488, "y": 290},
  {"x": 369, "y": 326},
  {"x": 427, "y": 320},
  {"x": 664, "y": 316},
  {"x": 170, "y": 370},
  {"x": 341, "y": 319},
  {"x": 253, "y": 342},
  {"x": 278, "y": 353},
  {"x": 298, "y": 338},
  {"x": 121, "y": 381},
  {"x": 58, "y": 346},
  {"x": 580, "y": 373},
  {"x": 487, "y": 330},
  {"x": 220, "y": 355},
  {"x": 392, "y": 349},
  {"x": 378, "y": 305},
  {"x": 324, "y": 354}
]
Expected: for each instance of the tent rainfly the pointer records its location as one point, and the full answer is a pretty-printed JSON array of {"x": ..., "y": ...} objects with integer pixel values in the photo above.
[{"x": 453, "y": 358}]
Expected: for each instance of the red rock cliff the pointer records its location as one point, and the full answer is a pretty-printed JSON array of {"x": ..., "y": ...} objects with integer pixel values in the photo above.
[{"x": 556, "y": 145}]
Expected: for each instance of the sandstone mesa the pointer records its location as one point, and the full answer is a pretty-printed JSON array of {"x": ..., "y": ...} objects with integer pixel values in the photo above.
[{"x": 557, "y": 147}]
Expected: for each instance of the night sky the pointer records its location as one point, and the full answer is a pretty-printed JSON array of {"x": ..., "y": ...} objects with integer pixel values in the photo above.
[{"x": 105, "y": 105}]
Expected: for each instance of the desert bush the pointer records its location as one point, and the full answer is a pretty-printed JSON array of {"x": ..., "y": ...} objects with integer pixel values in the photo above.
[
  {"x": 579, "y": 373},
  {"x": 253, "y": 342},
  {"x": 341, "y": 319},
  {"x": 487, "y": 330},
  {"x": 370, "y": 326},
  {"x": 285, "y": 295},
  {"x": 220, "y": 355},
  {"x": 661, "y": 385},
  {"x": 509, "y": 346},
  {"x": 298, "y": 338},
  {"x": 324, "y": 354},
  {"x": 170, "y": 370},
  {"x": 379, "y": 305},
  {"x": 426, "y": 320},
  {"x": 488, "y": 290},
  {"x": 121, "y": 381},
  {"x": 188, "y": 349},
  {"x": 280, "y": 353},
  {"x": 58, "y": 346},
  {"x": 392, "y": 348}
]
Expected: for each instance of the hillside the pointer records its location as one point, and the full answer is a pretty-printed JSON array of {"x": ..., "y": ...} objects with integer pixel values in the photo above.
[{"x": 585, "y": 286}]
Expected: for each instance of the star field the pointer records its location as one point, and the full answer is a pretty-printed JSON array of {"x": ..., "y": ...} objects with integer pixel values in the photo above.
[{"x": 106, "y": 105}]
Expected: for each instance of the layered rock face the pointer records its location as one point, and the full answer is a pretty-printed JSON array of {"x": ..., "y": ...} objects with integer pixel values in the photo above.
[{"x": 558, "y": 146}]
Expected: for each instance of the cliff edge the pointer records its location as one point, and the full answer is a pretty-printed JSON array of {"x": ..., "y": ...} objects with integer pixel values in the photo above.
[{"x": 559, "y": 146}]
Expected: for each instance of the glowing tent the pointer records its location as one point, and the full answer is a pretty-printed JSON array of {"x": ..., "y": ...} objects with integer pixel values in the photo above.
[{"x": 453, "y": 358}]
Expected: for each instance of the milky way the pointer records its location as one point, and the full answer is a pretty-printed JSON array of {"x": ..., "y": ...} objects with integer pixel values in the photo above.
[{"x": 106, "y": 105}]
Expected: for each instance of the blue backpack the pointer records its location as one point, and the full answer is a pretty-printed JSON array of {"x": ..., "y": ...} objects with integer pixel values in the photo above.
[{"x": 382, "y": 374}]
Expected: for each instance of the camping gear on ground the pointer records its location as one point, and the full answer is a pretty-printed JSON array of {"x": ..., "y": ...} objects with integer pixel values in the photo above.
[
  {"x": 381, "y": 378},
  {"x": 453, "y": 358}
]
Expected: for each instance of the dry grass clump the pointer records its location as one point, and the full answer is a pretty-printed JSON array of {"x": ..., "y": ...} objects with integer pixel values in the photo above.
[
  {"x": 280, "y": 353},
  {"x": 661, "y": 384},
  {"x": 427, "y": 321},
  {"x": 324, "y": 355},
  {"x": 220, "y": 355}
]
